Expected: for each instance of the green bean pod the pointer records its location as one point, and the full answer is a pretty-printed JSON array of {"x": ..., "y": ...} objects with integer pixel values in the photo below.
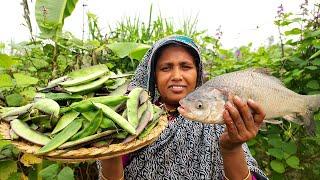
[
  {"x": 86, "y": 105},
  {"x": 15, "y": 111},
  {"x": 89, "y": 86},
  {"x": 157, "y": 113},
  {"x": 84, "y": 79},
  {"x": 132, "y": 106},
  {"x": 62, "y": 96},
  {"x": 62, "y": 137},
  {"x": 48, "y": 106},
  {"x": 107, "y": 123},
  {"x": 25, "y": 132},
  {"x": 144, "y": 120},
  {"x": 121, "y": 90},
  {"x": 91, "y": 128},
  {"x": 86, "y": 139},
  {"x": 117, "y": 118},
  {"x": 65, "y": 120}
]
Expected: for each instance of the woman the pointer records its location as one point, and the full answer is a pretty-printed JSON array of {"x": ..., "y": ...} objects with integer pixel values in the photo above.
[{"x": 187, "y": 149}]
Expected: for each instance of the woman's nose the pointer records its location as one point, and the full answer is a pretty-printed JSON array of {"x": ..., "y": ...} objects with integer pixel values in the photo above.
[{"x": 176, "y": 74}]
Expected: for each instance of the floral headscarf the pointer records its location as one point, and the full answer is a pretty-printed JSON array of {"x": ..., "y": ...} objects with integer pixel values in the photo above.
[{"x": 185, "y": 149}]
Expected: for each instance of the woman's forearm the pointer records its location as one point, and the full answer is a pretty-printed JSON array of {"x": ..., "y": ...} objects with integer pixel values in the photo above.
[
  {"x": 112, "y": 169},
  {"x": 235, "y": 164}
]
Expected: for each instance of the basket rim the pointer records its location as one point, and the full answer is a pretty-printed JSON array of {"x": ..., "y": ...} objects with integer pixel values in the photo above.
[{"x": 91, "y": 153}]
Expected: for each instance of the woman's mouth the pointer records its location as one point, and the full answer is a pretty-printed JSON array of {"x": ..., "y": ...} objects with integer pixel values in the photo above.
[{"x": 177, "y": 88}]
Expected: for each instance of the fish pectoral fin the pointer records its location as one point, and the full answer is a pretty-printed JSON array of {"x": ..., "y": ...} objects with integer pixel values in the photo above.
[
  {"x": 293, "y": 118},
  {"x": 263, "y": 127},
  {"x": 272, "y": 121}
]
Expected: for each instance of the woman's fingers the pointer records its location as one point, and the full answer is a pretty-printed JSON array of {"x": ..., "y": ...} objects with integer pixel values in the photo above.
[
  {"x": 259, "y": 113},
  {"x": 231, "y": 128},
  {"x": 236, "y": 117},
  {"x": 245, "y": 113}
]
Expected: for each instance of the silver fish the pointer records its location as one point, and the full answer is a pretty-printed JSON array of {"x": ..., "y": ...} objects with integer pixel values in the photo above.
[{"x": 206, "y": 103}]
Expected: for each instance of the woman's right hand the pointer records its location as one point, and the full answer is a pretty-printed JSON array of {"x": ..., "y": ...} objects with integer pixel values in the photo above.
[{"x": 112, "y": 169}]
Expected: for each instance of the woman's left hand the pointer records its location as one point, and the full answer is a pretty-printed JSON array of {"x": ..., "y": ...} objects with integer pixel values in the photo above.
[{"x": 242, "y": 120}]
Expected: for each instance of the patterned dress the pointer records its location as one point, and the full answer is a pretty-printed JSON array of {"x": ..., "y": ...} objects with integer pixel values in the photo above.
[{"x": 185, "y": 149}]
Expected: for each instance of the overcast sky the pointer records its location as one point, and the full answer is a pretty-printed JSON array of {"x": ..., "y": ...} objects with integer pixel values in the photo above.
[{"x": 241, "y": 21}]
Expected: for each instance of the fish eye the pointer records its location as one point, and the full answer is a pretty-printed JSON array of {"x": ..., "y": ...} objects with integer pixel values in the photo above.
[{"x": 199, "y": 105}]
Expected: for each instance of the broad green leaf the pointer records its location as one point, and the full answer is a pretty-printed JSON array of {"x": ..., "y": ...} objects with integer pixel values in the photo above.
[
  {"x": 50, "y": 172},
  {"x": 290, "y": 148},
  {"x": 313, "y": 84},
  {"x": 16, "y": 176},
  {"x": 14, "y": 100},
  {"x": 130, "y": 49},
  {"x": 312, "y": 67},
  {"x": 277, "y": 143},
  {"x": 3, "y": 143},
  {"x": 293, "y": 162},
  {"x": 39, "y": 63},
  {"x": 293, "y": 31},
  {"x": 275, "y": 152},
  {"x": 313, "y": 34},
  {"x": 71, "y": 4},
  {"x": 277, "y": 166},
  {"x": 6, "y": 61},
  {"x": 7, "y": 168},
  {"x": 251, "y": 142},
  {"x": 29, "y": 93},
  {"x": 6, "y": 81},
  {"x": 66, "y": 174},
  {"x": 315, "y": 55},
  {"x": 139, "y": 52},
  {"x": 50, "y": 15},
  {"x": 24, "y": 80},
  {"x": 316, "y": 62}
]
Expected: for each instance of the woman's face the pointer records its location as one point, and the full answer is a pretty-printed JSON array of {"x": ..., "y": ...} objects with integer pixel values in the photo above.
[{"x": 176, "y": 74}]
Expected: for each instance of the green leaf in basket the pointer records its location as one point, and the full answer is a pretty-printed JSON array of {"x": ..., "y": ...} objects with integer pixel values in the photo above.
[
  {"x": 66, "y": 174},
  {"x": 50, "y": 172}
]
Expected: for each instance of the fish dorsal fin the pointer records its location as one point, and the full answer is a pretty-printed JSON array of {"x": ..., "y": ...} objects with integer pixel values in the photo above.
[{"x": 266, "y": 72}]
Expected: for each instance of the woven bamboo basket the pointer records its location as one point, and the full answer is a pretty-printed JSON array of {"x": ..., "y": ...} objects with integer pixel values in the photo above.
[{"x": 91, "y": 153}]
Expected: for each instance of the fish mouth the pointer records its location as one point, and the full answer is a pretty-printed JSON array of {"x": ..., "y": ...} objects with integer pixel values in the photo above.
[{"x": 184, "y": 111}]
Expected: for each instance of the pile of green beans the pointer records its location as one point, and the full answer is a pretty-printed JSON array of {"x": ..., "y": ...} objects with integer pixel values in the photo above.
[{"x": 88, "y": 107}]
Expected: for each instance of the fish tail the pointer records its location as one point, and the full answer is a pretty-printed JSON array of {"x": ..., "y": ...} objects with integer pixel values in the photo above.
[
  {"x": 309, "y": 123},
  {"x": 313, "y": 101}
]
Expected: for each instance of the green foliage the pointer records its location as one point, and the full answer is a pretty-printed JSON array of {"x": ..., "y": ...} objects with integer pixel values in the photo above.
[
  {"x": 283, "y": 151},
  {"x": 7, "y": 168}
]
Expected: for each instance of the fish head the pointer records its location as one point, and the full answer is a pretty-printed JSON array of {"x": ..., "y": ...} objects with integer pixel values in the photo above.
[{"x": 204, "y": 105}]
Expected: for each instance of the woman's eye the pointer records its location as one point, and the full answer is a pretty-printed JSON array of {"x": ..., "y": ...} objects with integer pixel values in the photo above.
[
  {"x": 186, "y": 67},
  {"x": 165, "y": 69}
]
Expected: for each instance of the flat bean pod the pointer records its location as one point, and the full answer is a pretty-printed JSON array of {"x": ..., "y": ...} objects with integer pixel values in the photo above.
[
  {"x": 91, "y": 128},
  {"x": 84, "y": 79},
  {"x": 85, "y": 105},
  {"x": 132, "y": 106},
  {"x": 86, "y": 139},
  {"x": 48, "y": 106},
  {"x": 65, "y": 120},
  {"x": 117, "y": 118},
  {"x": 89, "y": 86},
  {"x": 25, "y": 132},
  {"x": 62, "y": 137},
  {"x": 15, "y": 111}
]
